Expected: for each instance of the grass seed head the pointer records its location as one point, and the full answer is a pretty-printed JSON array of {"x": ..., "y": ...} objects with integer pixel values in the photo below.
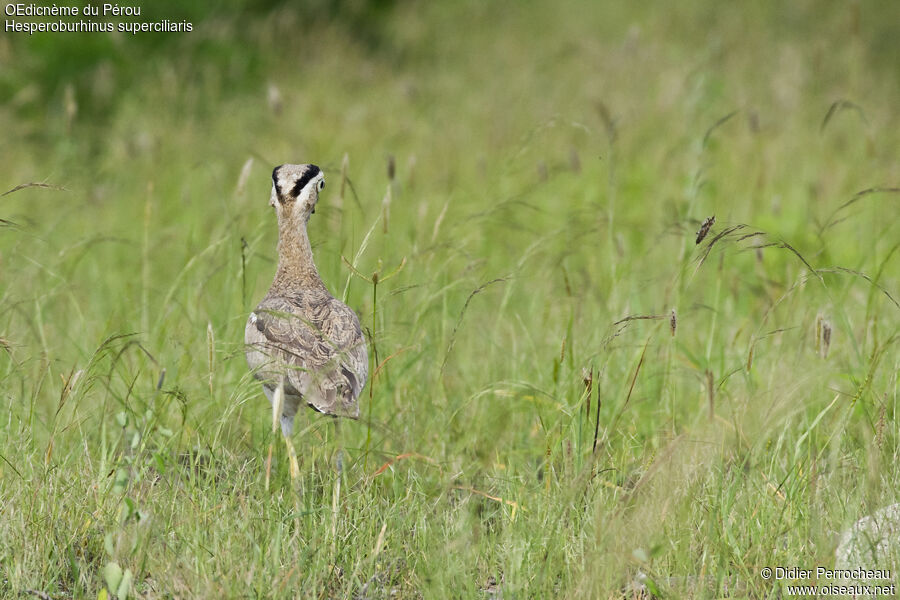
[
  {"x": 273, "y": 96},
  {"x": 879, "y": 427},
  {"x": 574, "y": 160},
  {"x": 823, "y": 335},
  {"x": 391, "y": 167},
  {"x": 704, "y": 228},
  {"x": 587, "y": 377}
]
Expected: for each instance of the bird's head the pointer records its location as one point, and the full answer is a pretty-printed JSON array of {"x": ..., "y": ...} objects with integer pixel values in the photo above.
[{"x": 295, "y": 190}]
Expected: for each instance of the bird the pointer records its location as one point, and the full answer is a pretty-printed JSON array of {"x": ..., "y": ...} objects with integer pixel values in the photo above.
[{"x": 303, "y": 344}]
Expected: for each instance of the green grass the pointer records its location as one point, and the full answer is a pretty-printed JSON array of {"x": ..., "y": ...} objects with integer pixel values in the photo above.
[{"x": 553, "y": 164}]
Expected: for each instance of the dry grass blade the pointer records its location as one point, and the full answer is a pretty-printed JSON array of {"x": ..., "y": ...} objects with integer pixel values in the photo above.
[
  {"x": 781, "y": 244},
  {"x": 124, "y": 348},
  {"x": 597, "y": 417},
  {"x": 756, "y": 339},
  {"x": 718, "y": 124},
  {"x": 244, "y": 248},
  {"x": 833, "y": 220},
  {"x": 771, "y": 486},
  {"x": 863, "y": 276},
  {"x": 800, "y": 256},
  {"x": 608, "y": 121},
  {"x": 23, "y": 186},
  {"x": 243, "y": 177},
  {"x": 635, "y": 376},
  {"x": 873, "y": 190},
  {"x": 12, "y": 466},
  {"x": 749, "y": 235},
  {"x": 404, "y": 456},
  {"x": 619, "y": 414},
  {"x": 515, "y": 505},
  {"x": 210, "y": 354},
  {"x": 438, "y": 221},
  {"x": 353, "y": 191},
  {"x": 359, "y": 252},
  {"x": 345, "y": 166},
  {"x": 385, "y": 361},
  {"x": 840, "y": 105},
  {"x": 587, "y": 378},
  {"x": 381, "y": 366},
  {"x": 640, "y": 318},
  {"x": 386, "y": 207},
  {"x": 712, "y": 242},
  {"x": 68, "y": 386},
  {"x": 354, "y": 270},
  {"x": 475, "y": 292},
  {"x": 877, "y": 353}
]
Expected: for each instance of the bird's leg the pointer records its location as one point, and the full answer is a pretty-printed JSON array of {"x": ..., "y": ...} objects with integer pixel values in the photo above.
[
  {"x": 339, "y": 455},
  {"x": 287, "y": 428},
  {"x": 336, "y": 490},
  {"x": 292, "y": 456},
  {"x": 268, "y": 466},
  {"x": 277, "y": 400}
]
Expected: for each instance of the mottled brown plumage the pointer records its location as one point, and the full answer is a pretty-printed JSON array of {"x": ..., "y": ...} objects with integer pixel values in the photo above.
[{"x": 300, "y": 338}]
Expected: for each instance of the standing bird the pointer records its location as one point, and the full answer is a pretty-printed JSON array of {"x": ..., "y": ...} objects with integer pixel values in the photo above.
[{"x": 302, "y": 343}]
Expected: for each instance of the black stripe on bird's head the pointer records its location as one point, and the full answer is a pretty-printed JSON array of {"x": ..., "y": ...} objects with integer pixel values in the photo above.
[
  {"x": 289, "y": 180},
  {"x": 310, "y": 172},
  {"x": 275, "y": 178},
  {"x": 291, "y": 183}
]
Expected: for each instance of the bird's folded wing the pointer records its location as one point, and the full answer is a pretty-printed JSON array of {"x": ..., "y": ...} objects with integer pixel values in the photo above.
[{"x": 320, "y": 338}]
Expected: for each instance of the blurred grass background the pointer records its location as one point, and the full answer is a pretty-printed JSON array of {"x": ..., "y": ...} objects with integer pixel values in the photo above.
[{"x": 552, "y": 163}]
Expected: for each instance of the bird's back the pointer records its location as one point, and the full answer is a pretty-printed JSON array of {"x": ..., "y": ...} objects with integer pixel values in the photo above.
[{"x": 314, "y": 342}]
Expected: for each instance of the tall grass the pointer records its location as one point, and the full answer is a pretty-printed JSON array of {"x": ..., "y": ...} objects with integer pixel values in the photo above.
[{"x": 568, "y": 391}]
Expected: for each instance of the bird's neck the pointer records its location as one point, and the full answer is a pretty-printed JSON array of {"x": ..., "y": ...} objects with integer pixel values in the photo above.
[{"x": 296, "y": 267}]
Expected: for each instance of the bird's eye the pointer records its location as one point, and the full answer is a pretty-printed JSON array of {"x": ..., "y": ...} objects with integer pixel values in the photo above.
[{"x": 321, "y": 185}]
